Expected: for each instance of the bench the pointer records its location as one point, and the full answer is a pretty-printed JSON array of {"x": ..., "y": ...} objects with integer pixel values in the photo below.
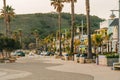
[{"x": 116, "y": 66}]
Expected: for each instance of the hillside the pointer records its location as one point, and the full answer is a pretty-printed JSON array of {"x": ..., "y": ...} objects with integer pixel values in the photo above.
[{"x": 45, "y": 23}]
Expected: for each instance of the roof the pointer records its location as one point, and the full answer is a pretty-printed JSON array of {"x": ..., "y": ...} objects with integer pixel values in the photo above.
[{"x": 115, "y": 22}]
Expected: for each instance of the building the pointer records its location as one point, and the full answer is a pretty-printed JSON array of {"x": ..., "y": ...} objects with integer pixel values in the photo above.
[{"x": 108, "y": 27}]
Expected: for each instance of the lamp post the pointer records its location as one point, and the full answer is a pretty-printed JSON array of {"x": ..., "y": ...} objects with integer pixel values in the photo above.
[
  {"x": 112, "y": 16},
  {"x": 119, "y": 33}
]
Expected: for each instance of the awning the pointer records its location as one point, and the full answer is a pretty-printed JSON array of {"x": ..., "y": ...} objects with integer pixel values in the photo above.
[{"x": 115, "y": 22}]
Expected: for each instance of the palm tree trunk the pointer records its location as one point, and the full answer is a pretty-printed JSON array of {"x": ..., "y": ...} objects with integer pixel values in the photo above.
[
  {"x": 88, "y": 30},
  {"x": 21, "y": 41},
  {"x": 59, "y": 23},
  {"x": 5, "y": 19},
  {"x": 72, "y": 26},
  {"x": 8, "y": 30}
]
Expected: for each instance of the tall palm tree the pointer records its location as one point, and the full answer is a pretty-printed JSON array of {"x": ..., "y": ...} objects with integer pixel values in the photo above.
[
  {"x": 36, "y": 34},
  {"x": 7, "y": 13},
  {"x": 4, "y": 11},
  {"x": 72, "y": 23},
  {"x": 58, "y": 6},
  {"x": 88, "y": 29},
  {"x": 20, "y": 36}
]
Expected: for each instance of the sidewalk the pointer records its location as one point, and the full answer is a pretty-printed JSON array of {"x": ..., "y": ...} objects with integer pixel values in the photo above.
[{"x": 99, "y": 72}]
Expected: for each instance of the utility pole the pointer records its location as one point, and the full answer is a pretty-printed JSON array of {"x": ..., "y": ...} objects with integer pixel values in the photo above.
[{"x": 89, "y": 56}]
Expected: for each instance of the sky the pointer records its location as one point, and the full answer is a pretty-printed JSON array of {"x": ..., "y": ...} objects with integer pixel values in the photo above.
[{"x": 100, "y": 8}]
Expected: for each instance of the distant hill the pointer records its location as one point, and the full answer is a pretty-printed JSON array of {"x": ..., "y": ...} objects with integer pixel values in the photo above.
[{"x": 46, "y": 23}]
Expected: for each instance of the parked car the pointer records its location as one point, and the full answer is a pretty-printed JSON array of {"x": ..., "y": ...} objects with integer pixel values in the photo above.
[
  {"x": 78, "y": 55},
  {"x": 83, "y": 55},
  {"x": 49, "y": 54},
  {"x": 43, "y": 53},
  {"x": 18, "y": 53}
]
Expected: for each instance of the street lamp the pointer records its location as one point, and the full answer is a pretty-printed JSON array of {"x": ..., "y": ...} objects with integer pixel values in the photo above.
[{"x": 112, "y": 16}]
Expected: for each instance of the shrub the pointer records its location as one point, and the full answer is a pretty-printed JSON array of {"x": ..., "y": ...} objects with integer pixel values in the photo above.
[{"x": 112, "y": 55}]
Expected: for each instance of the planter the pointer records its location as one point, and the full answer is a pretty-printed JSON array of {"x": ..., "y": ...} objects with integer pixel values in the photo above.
[
  {"x": 82, "y": 60},
  {"x": 110, "y": 61},
  {"x": 88, "y": 60},
  {"x": 66, "y": 58},
  {"x": 57, "y": 56},
  {"x": 106, "y": 61},
  {"x": 76, "y": 59}
]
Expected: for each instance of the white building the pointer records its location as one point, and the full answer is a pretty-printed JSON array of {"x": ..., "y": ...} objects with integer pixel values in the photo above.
[{"x": 112, "y": 27}]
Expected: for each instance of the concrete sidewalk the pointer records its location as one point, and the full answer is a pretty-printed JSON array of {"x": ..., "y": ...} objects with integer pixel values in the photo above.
[{"x": 99, "y": 72}]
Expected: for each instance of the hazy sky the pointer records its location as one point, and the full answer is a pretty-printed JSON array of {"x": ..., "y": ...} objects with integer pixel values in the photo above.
[{"x": 99, "y": 8}]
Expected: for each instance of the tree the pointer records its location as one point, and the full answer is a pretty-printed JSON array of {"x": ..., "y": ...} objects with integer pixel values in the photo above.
[
  {"x": 8, "y": 44},
  {"x": 36, "y": 35},
  {"x": 72, "y": 24},
  {"x": 4, "y": 12},
  {"x": 20, "y": 36},
  {"x": 97, "y": 40},
  {"x": 58, "y": 6},
  {"x": 76, "y": 43},
  {"x": 15, "y": 35},
  {"x": 48, "y": 41},
  {"x": 7, "y": 12},
  {"x": 88, "y": 29}
]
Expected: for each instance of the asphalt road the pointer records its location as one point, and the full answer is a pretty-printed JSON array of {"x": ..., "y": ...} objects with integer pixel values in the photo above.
[{"x": 39, "y": 71}]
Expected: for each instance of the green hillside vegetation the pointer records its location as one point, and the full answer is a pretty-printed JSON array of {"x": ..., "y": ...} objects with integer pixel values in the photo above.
[{"x": 46, "y": 23}]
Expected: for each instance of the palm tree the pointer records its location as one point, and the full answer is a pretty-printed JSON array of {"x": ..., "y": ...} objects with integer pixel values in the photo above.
[
  {"x": 20, "y": 37},
  {"x": 15, "y": 35},
  {"x": 76, "y": 43},
  {"x": 58, "y": 6},
  {"x": 48, "y": 40},
  {"x": 36, "y": 34},
  {"x": 72, "y": 24},
  {"x": 4, "y": 11},
  {"x": 7, "y": 13},
  {"x": 97, "y": 40},
  {"x": 88, "y": 29}
]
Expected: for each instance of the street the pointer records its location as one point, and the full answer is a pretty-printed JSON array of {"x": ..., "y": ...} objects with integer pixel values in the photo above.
[{"x": 33, "y": 68}]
